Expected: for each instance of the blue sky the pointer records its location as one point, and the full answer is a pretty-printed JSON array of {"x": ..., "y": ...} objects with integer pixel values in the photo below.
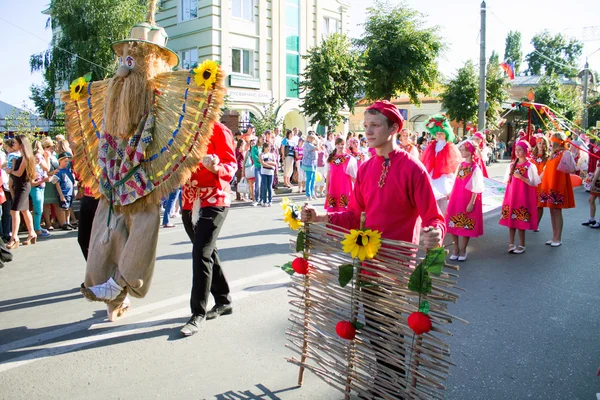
[{"x": 459, "y": 20}]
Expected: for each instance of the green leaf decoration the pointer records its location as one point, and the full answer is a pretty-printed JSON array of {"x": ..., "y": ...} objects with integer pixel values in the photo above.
[
  {"x": 357, "y": 325},
  {"x": 434, "y": 260},
  {"x": 420, "y": 281},
  {"x": 366, "y": 284},
  {"x": 346, "y": 274},
  {"x": 424, "y": 307},
  {"x": 88, "y": 77},
  {"x": 287, "y": 267},
  {"x": 300, "y": 241}
]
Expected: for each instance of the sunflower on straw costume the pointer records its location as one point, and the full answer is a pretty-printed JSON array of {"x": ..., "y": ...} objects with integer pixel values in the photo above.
[
  {"x": 441, "y": 159},
  {"x": 136, "y": 137}
]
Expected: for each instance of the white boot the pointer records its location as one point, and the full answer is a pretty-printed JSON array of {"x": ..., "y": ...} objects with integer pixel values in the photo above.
[{"x": 107, "y": 291}]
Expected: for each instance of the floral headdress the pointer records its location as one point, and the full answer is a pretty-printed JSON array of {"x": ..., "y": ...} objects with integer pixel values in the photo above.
[{"x": 439, "y": 123}]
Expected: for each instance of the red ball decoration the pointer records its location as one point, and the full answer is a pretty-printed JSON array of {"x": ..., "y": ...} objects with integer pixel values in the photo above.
[
  {"x": 345, "y": 330},
  {"x": 300, "y": 265},
  {"x": 419, "y": 323}
]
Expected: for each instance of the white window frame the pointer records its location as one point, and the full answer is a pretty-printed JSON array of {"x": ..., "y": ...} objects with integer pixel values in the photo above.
[
  {"x": 241, "y": 66},
  {"x": 182, "y": 15},
  {"x": 243, "y": 4},
  {"x": 188, "y": 55},
  {"x": 327, "y": 26}
]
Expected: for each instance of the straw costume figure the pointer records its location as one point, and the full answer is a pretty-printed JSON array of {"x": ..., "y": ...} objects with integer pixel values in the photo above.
[{"x": 137, "y": 137}]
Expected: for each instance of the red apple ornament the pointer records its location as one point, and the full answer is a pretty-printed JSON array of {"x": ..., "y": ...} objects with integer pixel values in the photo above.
[
  {"x": 419, "y": 323},
  {"x": 345, "y": 330},
  {"x": 300, "y": 265}
]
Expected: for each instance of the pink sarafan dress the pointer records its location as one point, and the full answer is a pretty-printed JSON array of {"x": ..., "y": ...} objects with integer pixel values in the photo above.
[
  {"x": 469, "y": 180},
  {"x": 342, "y": 170},
  {"x": 519, "y": 208}
]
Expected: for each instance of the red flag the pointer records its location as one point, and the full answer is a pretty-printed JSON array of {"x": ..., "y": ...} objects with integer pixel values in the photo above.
[{"x": 509, "y": 68}]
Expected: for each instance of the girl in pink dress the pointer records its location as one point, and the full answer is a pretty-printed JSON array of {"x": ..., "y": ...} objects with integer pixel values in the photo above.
[
  {"x": 479, "y": 142},
  {"x": 464, "y": 216},
  {"x": 340, "y": 177},
  {"x": 354, "y": 149},
  {"x": 519, "y": 208}
]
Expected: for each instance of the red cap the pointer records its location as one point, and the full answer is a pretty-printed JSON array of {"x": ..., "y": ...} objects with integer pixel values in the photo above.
[{"x": 389, "y": 110}]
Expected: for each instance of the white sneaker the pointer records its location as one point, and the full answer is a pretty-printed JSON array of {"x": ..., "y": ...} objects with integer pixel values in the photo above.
[
  {"x": 254, "y": 204},
  {"x": 106, "y": 291}
]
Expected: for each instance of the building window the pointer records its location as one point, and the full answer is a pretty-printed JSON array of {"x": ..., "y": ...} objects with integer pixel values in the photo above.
[
  {"x": 242, "y": 9},
  {"x": 292, "y": 47},
  {"x": 330, "y": 26},
  {"x": 189, "y": 9},
  {"x": 241, "y": 62},
  {"x": 189, "y": 58}
]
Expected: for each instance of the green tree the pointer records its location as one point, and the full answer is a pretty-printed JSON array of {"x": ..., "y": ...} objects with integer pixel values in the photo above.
[
  {"x": 593, "y": 110},
  {"x": 512, "y": 50},
  {"x": 400, "y": 52},
  {"x": 268, "y": 119},
  {"x": 331, "y": 82},
  {"x": 86, "y": 29},
  {"x": 460, "y": 96},
  {"x": 564, "y": 99},
  {"x": 554, "y": 54},
  {"x": 496, "y": 86}
]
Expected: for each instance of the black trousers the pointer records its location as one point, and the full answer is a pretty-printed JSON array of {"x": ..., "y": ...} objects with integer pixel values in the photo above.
[
  {"x": 87, "y": 211},
  {"x": 208, "y": 277},
  {"x": 6, "y": 217}
]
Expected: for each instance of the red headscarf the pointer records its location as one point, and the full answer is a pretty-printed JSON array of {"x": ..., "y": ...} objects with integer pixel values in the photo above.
[{"x": 389, "y": 110}]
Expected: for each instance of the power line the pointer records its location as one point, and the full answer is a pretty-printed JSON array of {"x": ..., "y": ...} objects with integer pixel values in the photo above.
[{"x": 58, "y": 47}]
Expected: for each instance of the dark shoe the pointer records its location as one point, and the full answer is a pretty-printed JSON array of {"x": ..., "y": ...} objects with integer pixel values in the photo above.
[
  {"x": 218, "y": 310},
  {"x": 67, "y": 227},
  {"x": 595, "y": 226},
  {"x": 192, "y": 326},
  {"x": 589, "y": 222}
]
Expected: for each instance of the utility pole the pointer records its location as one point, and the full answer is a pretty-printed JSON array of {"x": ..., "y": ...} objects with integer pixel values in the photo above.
[
  {"x": 482, "y": 70},
  {"x": 584, "y": 119}
]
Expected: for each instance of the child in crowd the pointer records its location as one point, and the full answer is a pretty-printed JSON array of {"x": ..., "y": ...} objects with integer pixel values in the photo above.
[
  {"x": 464, "y": 216},
  {"x": 556, "y": 191},
  {"x": 594, "y": 194},
  {"x": 321, "y": 169},
  {"x": 519, "y": 208},
  {"x": 267, "y": 170},
  {"x": 309, "y": 165},
  {"x": 299, "y": 170},
  {"x": 540, "y": 154},
  {"x": 354, "y": 149},
  {"x": 65, "y": 184},
  {"x": 340, "y": 178},
  {"x": 11, "y": 147}
]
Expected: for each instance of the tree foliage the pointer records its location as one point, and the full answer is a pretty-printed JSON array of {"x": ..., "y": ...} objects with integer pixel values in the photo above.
[
  {"x": 460, "y": 96},
  {"x": 554, "y": 54},
  {"x": 593, "y": 110},
  {"x": 496, "y": 87},
  {"x": 399, "y": 52},
  {"x": 564, "y": 99},
  {"x": 331, "y": 82},
  {"x": 85, "y": 30},
  {"x": 268, "y": 119},
  {"x": 512, "y": 50}
]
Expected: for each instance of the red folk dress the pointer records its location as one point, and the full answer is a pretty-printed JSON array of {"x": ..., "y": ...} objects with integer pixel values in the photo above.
[
  {"x": 519, "y": 208},
  {"x": 469, "y": 180},
  {"x": 556, "y": 190},
  {"x": 342, "y": 171}
]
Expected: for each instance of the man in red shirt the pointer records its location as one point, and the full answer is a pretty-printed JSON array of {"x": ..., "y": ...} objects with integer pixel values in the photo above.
[{"x": 206, "y": 201}]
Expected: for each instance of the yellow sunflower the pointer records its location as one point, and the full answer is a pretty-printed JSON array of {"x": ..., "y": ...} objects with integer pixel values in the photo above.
[
  {"x": 206, "y": 74},
  {"x": 362, "y": 243},
  {"x": 77, "y": 88},
  {"x": 289, "y": 218},
  {"x": 285, "y": 203}
]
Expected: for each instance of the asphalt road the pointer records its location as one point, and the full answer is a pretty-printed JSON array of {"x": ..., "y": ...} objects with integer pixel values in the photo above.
[{"x": 533, "y": 331}]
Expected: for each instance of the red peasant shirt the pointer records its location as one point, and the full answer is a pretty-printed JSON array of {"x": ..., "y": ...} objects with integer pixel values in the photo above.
[
  {"x": 443, "y": 163},
  {"x": 398, "y": 209},
  {"x": 213, "y": 190}
]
